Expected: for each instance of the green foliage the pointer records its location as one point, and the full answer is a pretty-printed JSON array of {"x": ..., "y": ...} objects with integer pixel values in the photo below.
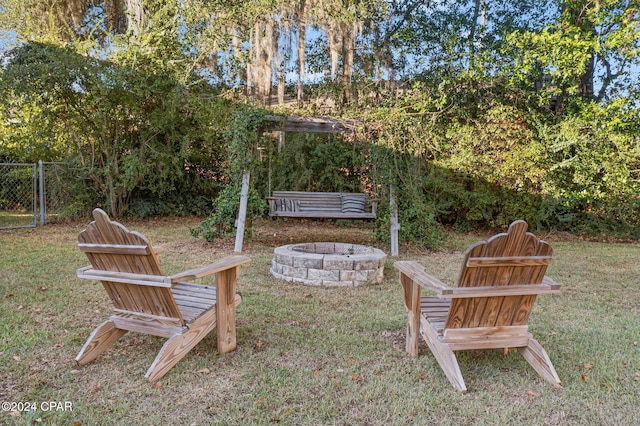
[
  {"x": 480, "y": 157},
  {"x": 135, "y": 134},
  {"x": 242, "y": 136},
  {"x": 317, "y": 162},
  {"x": 221, "y": 223},
  {"x": 594, "y": 174}
]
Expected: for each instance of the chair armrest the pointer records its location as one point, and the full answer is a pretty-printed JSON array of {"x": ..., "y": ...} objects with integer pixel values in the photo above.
[
  {"x": 374, "y": 205},
  {"x": 217, "y": 266},
  {"x": 417, "y": 274},
  {"x": 547, "y": 280},
  {"x": 272, "y": 203}
]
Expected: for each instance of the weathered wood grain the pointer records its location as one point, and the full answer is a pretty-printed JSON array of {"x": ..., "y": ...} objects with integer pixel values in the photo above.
[
  {"x": 147, "y": 301},
  {"x": 488, "y": 308},
  {"x": 326, "y": 205}
]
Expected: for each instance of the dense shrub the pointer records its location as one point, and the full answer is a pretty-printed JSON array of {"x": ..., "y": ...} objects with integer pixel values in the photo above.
[
  {"x": 143, "y": 139},
  {"x": 497, "y": 161},
  {"x": 140, "y": 141}
]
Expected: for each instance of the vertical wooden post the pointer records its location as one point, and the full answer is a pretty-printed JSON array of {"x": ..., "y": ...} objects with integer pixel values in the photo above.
[
  {"x": 412, "y": 302},
  {"x": 242, "y": 213},
  {"x": 394, "y": 225},
  {"x": 226, "y": 309},
  {"x": 281, "y": 140}
]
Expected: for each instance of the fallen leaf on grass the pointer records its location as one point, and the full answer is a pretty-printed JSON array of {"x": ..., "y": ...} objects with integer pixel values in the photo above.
[
  {"x": 259, "y": 344},
  {"x": 204, "y": 371},
  {"x": 16, "y": 358},
  {"x": 585, "y": 377},
  {"x": 157, "y": 385},
  {"x": 636, "y": 376},
  {"x": 588, "y": 366},
  {"x": 317, "y": 372},
  {"x": 14, "y": 413},
  {"x": 532, "y": 393}
]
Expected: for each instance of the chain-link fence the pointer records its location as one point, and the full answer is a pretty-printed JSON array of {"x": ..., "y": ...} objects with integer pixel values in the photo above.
[
  {"x": 31, "y": 190},
  {"x": 17, "y": 195},
  {"x": 54, "y": 189}
]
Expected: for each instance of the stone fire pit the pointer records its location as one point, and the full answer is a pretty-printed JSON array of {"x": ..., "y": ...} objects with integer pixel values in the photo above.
[{"x": 328, "y": 264}]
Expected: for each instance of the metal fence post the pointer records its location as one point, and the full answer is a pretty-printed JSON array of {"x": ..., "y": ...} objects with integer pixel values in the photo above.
[{"x": 43, "y": 207}]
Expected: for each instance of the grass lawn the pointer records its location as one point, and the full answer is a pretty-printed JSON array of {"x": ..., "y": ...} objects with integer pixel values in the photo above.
[
  {"x": 307, "y": 355},
  {"x": 10, "y": 219}
]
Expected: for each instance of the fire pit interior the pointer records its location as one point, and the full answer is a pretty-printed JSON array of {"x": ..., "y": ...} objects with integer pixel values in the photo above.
[{"x": 328, "y": 264}]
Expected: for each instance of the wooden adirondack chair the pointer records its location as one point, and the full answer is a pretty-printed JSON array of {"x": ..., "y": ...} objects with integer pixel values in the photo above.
[
  {"x": 490, "y": 306},
  {"x": 147, "y": 301}
]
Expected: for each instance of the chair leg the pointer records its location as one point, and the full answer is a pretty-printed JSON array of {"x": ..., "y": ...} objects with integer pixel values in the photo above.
[
  {"x": 179, "y": 345},
  {"x": 413, "y": 332},
  {"x": 226, "y": 302},
  {"x": 105, "y": 335},
  {"x": 537, "y": 357},
  {"x": 444, "y": 355}
]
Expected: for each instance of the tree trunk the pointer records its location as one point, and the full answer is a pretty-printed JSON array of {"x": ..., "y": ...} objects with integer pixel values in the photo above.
[
  {"x": 136, "y": 16},
  {"x": 302, "y": 30},
  {"x": 280, "y": 66},
  {"x": 348, "y": 40}
]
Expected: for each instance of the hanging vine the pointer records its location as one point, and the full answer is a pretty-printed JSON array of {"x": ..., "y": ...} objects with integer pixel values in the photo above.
[{"x": 244, "y": 134}]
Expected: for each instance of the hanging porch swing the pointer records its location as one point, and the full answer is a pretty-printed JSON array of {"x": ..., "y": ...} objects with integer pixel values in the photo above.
[
  {"x": 303, "y": 204},
  {"x": 319, "y": 205}
]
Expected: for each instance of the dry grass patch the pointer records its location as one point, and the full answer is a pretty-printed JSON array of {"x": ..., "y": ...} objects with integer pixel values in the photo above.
[{"x": 309, "y": 355}]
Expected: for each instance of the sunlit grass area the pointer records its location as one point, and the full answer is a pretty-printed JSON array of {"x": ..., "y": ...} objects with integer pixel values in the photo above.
[
  {"x": 10, "y": 219},
  {"x": 308, "y": 355}
]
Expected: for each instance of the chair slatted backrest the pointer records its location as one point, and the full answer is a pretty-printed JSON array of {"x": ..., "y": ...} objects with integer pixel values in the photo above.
[
  {"x": 110, "y": 246},
  {"x": 513, "y": 258}
]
